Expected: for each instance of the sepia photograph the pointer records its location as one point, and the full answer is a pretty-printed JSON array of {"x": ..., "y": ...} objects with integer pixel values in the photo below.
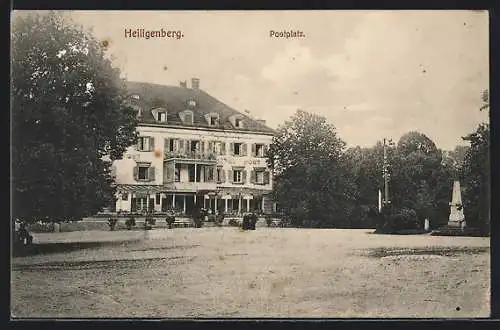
[{"x": 250, "y": 164}]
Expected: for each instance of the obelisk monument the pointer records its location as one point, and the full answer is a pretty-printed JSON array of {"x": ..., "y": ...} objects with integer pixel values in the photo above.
[{"x": 457, "y": 218}]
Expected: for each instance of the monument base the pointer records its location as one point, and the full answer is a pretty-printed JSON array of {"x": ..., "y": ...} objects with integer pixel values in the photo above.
[{"x": 454, "y": 224}]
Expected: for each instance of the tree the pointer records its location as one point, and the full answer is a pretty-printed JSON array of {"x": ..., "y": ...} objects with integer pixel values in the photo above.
[
  {"x": 312, "y": 181},
  {"x": 475, "y": 174},
  {"x": 476, "y": 178},
  {"x": 69, "y": 113}
]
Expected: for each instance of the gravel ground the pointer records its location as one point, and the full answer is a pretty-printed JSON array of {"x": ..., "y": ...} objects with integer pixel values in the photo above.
[{"x": 270, "y": 272}]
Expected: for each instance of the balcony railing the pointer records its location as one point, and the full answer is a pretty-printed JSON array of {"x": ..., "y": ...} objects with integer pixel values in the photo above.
[
  {"x": 190, "y": 155},
  {"x": 193, "y": 186}
]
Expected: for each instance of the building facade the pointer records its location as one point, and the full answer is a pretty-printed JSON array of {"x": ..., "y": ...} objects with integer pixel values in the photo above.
[{"x": 193, "y": 152}]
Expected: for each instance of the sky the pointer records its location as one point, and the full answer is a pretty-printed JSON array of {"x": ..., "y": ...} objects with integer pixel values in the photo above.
[{"x": 372, "y": 74}]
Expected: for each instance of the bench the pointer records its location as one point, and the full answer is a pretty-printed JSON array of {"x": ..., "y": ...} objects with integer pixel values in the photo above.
[{"x": 182, "y": 223}]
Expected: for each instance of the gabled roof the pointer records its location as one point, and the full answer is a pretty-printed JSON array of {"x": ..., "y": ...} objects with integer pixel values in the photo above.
[{"x": 175, "y": 100}]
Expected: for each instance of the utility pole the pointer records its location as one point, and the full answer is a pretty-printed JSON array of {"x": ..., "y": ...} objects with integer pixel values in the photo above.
[{"x": 386, "y": 175}]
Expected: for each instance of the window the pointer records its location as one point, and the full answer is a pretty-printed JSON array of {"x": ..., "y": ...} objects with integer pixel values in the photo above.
[
  {"x": 238, "y": 149},
  {"x": 171, "y": 145},
  {"x": 210, "y": 174},
  {"x": 237, "y": 122},
  {"x": 259, "y": 150},
  {"x": 177, "y": 173},
  {"x": 195, "y": 146},
  {"x": 214, "y": 120},
  {"x": 145, "y": 143},
  {"x": 162, "y": 116},
  {"x": 157, "y": 198},
  {"x": 220, "y": 175},
  {"x": 143, "y": 173},
  {"x": 188, "y": 118},
  {"x": 259, "y": 177},
  {"x": 220, "y": 148},
  {"x": 191, "y": 103},
  {"x": 238, "y": 176},
  {"x": 125, "y": 197}
]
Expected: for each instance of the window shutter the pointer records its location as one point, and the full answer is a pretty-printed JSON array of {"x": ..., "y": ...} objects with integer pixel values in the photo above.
[
  {"x": 210, "y": 146},
  {"x": 253, "y": 177},
  {"x": 151, "y": 143},
  {"x": 230, "y": 176},
  {"x": 181, "y": 145},
  {"x": 136, "y": 173},
  {"x": 231, "y": 149},
  {"x": 244, "y": 176},
  {"x": 266, "y": 177},
  {"x": 167, "y": 145},
  {"x": 176, "y": 145},
  {"x": 202, "y": 146},
  {"x": 254, "y": 152},
  {"x": 138, "y": 145},
  {"x": 188, "y": 146},
  {"x": 222, "y": 176},
  {"x": 223, "y": 148},
  {"x": 266, "y": 148},
  {"x": 151, "y": 173},
  {"x": 244, "y": 149},
  {"x": 205, "y": 173}
]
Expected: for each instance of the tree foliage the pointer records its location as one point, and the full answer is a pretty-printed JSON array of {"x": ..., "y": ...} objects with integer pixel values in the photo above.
[
  {"x": 68, "y": 112},
  {"x": 475, "y": 176},
  {"x": 317, "y": 179},
  {"x": 310, "y": 169}
]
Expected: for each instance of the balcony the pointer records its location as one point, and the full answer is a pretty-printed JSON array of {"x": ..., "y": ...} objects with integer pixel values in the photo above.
[
  {"x": 190, "y": 156},
  {"x": 192, "y": 186}
]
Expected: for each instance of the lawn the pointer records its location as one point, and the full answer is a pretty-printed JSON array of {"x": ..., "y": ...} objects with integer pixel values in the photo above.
[{"x": 269, "y": 272}]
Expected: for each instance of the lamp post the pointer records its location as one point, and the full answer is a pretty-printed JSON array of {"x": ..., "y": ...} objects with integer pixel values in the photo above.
[{"x": 386, "y": 176}]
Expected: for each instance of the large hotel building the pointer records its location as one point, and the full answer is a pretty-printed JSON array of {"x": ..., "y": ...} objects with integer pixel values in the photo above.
[{"x": 193, "y": 152}]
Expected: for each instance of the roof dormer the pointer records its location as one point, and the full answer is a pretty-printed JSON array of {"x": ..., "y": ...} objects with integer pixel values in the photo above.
[
  {"x": 212, "y": 118},
  {"x": 187, "y": 117},
  {"x": 237, "y": 121},
  {"x": 159, "y": 114}
]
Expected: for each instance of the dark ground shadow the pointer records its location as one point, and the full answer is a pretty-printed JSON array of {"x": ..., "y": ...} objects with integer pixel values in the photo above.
[
  {"x": 48, "y": 248},
  {"x": 441, "y": 251}
]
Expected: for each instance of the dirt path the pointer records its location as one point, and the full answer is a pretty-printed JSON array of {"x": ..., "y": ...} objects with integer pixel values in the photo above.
[{"x": 222, "y": 272}]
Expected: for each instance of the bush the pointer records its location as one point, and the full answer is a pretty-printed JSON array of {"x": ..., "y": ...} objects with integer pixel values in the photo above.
[
  {"x": 249, "y": 221},
  {"x": 392, "y": 221},
  {"x": 112, "y": 223},
  {"x": 130, "y": 223},
  {"x": 149, "y": 222}
]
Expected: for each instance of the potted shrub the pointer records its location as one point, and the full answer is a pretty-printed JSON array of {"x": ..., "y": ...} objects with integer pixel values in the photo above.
[
  {"x": 112, "y": 223},
  {"x": 170, "y": 220},
  {"x": 130, "y": 223},
  {"x": 149, "y": 222},
  {"x": 269, "y": 220}
]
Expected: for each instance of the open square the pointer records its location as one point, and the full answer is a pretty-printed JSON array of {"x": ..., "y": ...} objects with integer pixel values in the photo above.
[{"x": 269, "y": 272}]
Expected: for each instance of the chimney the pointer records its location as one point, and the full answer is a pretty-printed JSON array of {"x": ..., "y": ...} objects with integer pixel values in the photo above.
[
  {"x": 195, "y": 83},
  {"x": 183, "y": 83}
]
